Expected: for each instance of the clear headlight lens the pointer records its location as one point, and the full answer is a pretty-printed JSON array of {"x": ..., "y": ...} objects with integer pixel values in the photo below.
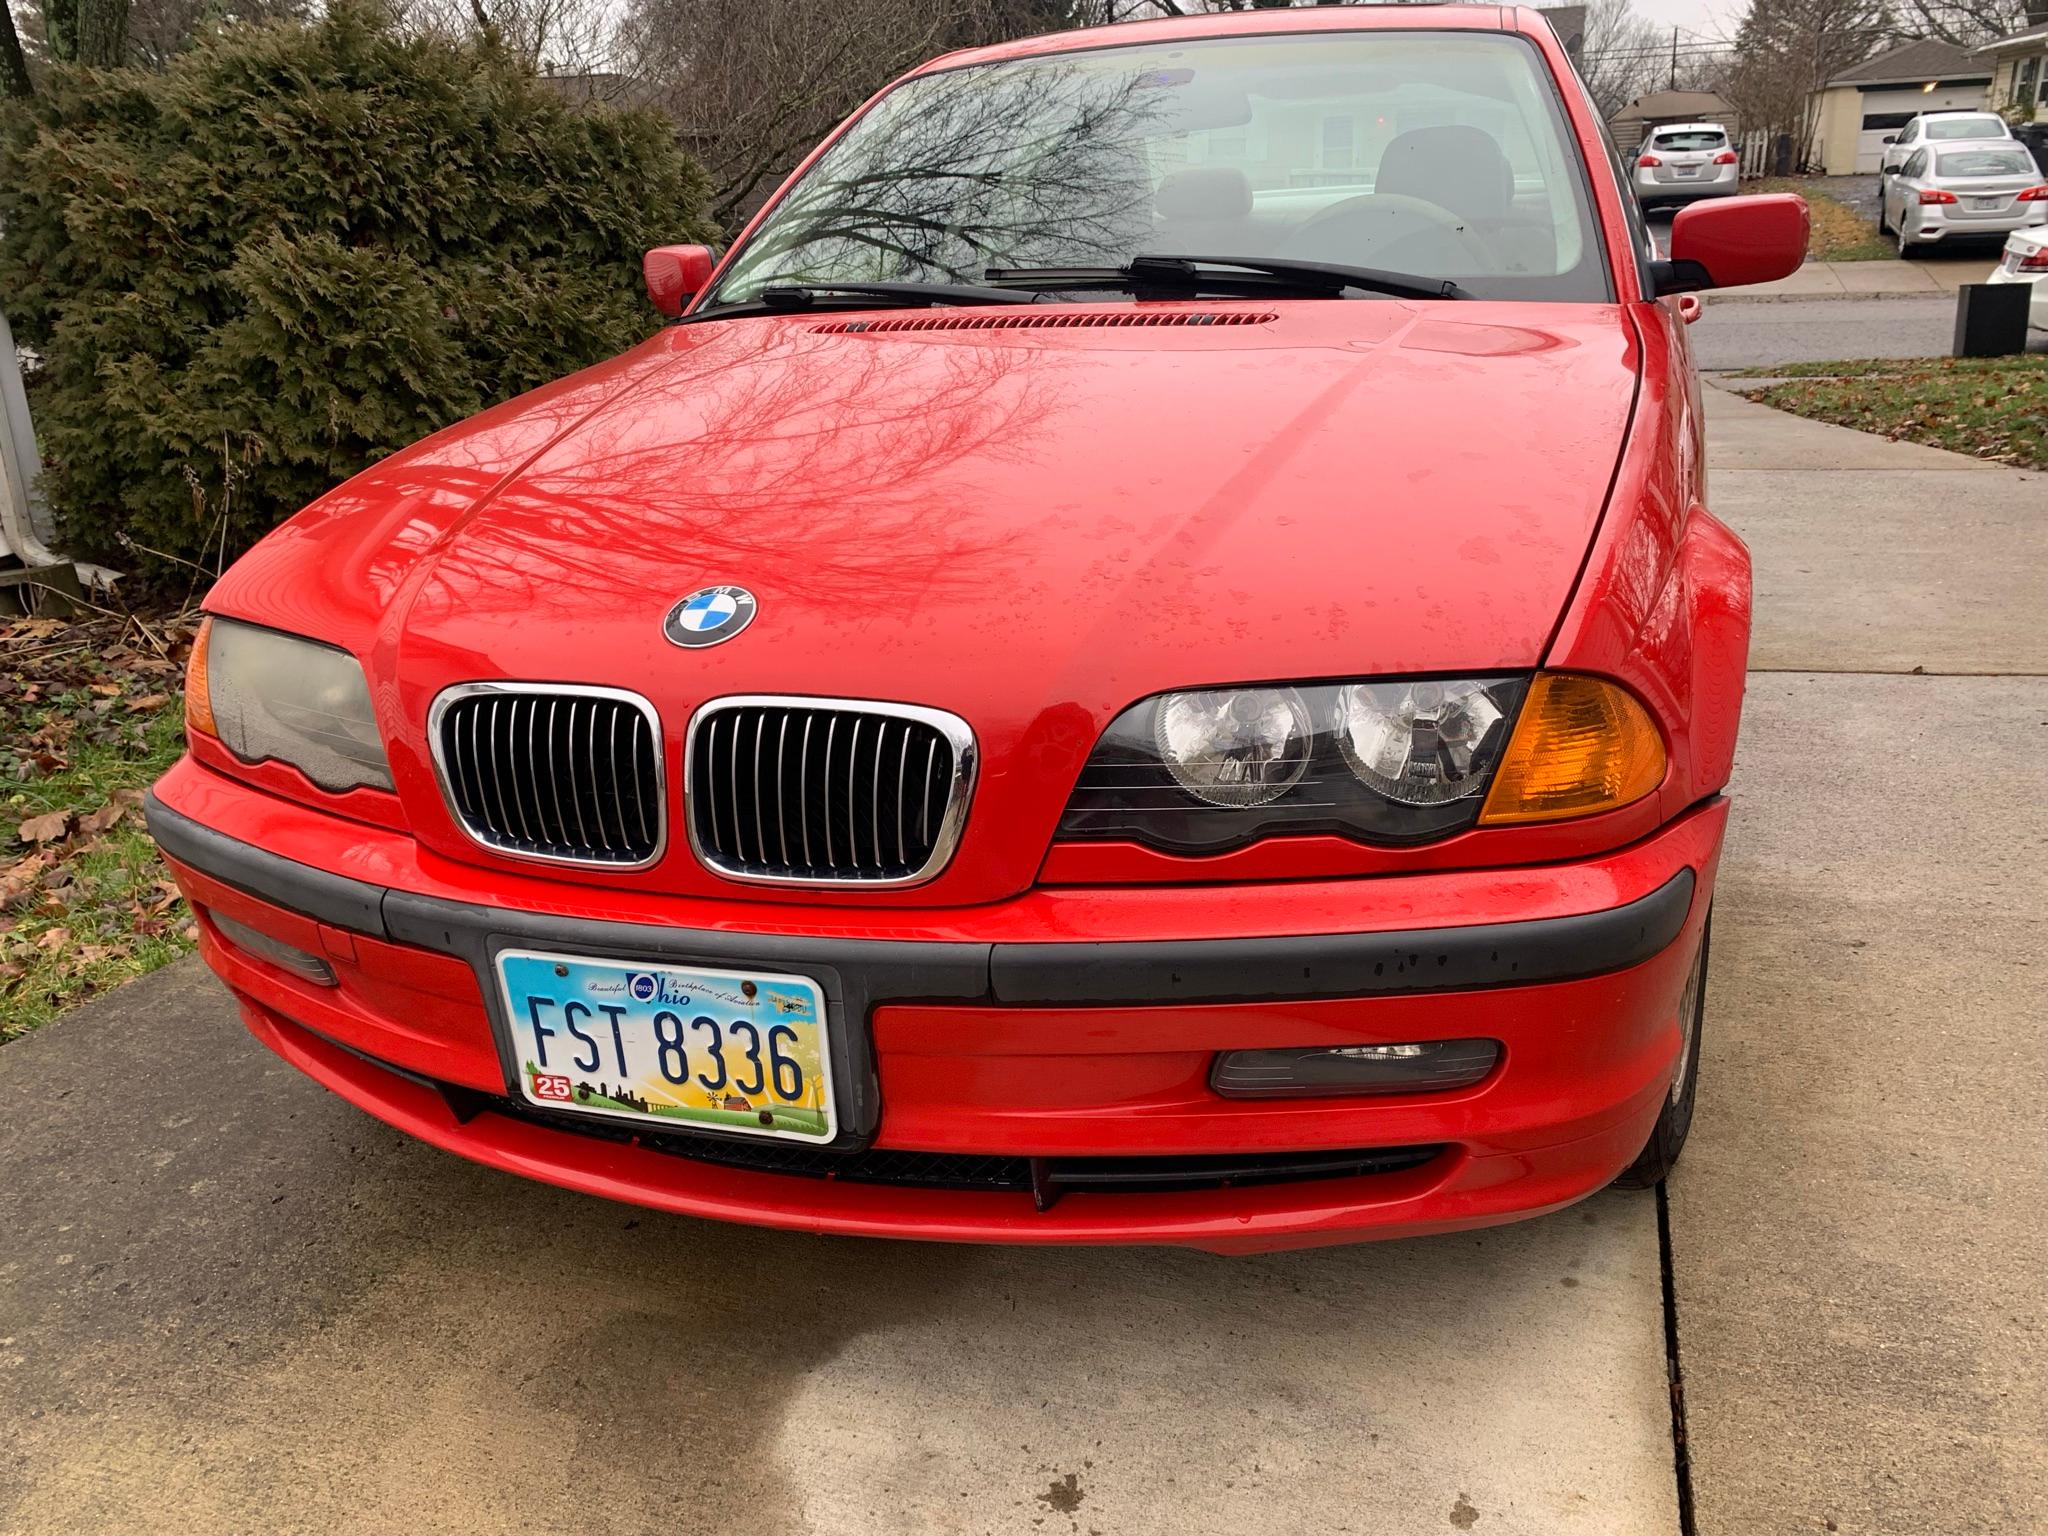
[
  {"x": 1422, "y": 743},
  {"x": 268, "y": 695},
  {"x": 1379, "y": 761},
  {"x": 1238, "y": 747}
]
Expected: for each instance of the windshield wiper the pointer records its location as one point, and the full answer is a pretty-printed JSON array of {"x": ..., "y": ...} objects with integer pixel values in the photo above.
[
  {"x": 1261, "y": 274},
  {"x": 804, "y": 294}
]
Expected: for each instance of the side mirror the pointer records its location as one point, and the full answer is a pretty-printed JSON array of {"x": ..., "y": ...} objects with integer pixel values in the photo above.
[
  {"x": 676, "y": 274},
  {"x": 1733, "y": 242},
  {"x": 1891, "y": 138}
]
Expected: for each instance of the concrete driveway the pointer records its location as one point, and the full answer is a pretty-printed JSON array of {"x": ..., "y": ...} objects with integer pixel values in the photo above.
[{"x": 228, "y": 1302}]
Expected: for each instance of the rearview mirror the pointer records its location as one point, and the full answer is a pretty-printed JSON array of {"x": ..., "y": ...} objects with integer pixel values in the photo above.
[
  {"x": 676, "y": 274},
  {"x": 1733, "y": 242}
]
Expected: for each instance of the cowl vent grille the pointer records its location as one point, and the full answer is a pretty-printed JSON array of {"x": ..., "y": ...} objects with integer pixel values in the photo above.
[{"x": 1033, "y": 321}]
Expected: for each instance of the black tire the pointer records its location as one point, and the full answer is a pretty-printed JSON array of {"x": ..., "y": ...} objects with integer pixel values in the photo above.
[
  {"x": 1883, "y": 225},
  {"x": 1667, "y": 1137}
]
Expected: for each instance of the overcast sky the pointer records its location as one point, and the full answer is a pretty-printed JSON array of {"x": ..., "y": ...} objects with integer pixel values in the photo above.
[{"x": 1702, "y": 23}]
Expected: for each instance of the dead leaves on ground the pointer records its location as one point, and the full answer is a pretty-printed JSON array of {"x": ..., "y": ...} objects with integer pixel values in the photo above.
[{"x": 78, "y": 884}]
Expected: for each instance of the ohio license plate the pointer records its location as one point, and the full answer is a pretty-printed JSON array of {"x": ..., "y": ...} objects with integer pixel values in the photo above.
[{"x": 737, "y": 1051}]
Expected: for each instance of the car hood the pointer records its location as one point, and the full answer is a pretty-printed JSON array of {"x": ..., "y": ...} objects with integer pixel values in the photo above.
[{"x": 1029, "y": 524}]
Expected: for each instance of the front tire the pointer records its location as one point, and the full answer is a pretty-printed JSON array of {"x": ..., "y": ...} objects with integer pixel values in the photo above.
[{"x": 1667, "y": 1138}]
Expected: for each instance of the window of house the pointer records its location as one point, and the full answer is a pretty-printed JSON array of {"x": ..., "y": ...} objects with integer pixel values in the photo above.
[{"x": 1340, "y": 141}]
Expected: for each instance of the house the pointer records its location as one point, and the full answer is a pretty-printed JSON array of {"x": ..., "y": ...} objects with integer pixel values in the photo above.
[
  {"x": 1858, "y": 107},
  {"x": 2019, "y": 64},
  {"x": 1633, "y": 121}
]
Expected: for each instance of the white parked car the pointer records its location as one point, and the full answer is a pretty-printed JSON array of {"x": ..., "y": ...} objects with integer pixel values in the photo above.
[
  {"x": 1681, "y": 162},
  {"x": 2026, "y": 261},
  {"x": 1946, "y": 193},
  {"x": 1939, "y": 128}
]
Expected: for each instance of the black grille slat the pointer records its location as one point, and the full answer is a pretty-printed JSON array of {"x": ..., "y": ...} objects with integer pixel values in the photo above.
[
  {"x": 815, "y": 792},
  {"x": 554, "y": 774}
]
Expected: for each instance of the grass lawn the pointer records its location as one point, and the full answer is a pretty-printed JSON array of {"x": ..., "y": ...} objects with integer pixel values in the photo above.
[
  {"x": 1838, "y": 232},
  {"x": 90, "y": 713},
  {"x": 1990, "y": 407}
]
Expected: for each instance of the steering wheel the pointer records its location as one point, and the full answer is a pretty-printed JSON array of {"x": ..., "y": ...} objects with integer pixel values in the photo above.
[{"x": 1356, "y": 230}]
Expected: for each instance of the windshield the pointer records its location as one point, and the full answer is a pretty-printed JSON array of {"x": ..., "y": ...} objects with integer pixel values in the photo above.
[
  {"x": 1986, "y": 162},
  {"x": 1966, "y": 128},
  {"x": 1442, "y": 155},
  {"x": 1704, "y": 138}
]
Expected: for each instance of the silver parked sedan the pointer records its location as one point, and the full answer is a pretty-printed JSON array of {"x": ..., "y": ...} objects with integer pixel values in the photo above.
[
  {"x": 1950, "y": 192},
  {"x": 1680, "y": 162}
]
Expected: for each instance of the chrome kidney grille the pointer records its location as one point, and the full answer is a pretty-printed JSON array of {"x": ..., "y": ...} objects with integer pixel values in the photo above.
[
  {"x": 566, "y": 774},
  {"x": 792, "y": 791}
]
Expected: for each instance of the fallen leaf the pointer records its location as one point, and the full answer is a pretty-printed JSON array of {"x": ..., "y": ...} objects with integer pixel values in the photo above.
[
  {"x": 53, "y": 938},
  {"x": 19, "y": 881},
  {"x": 106, "y": 690},
  {"x": 149, "y": 701},
  {"x": 95, "y": 822},
  {"x": 50, "y": 827}
]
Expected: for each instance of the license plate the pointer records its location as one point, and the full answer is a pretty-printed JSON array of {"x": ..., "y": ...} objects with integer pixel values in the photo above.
[
  {"x": 738, "y": 1051},
  {"x": 1987, "y": 204},
  {"x": 1687, "y": 170}
]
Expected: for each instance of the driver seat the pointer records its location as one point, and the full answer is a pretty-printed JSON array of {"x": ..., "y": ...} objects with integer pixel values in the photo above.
[{"x": 1454, "y": 166}]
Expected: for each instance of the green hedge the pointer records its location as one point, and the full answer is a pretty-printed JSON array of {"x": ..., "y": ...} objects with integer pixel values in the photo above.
[{"x": 300, "y": 249}]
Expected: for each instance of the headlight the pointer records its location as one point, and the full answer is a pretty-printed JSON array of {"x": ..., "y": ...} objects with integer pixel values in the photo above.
[
  {"x": 1422, "y": 743},
  {"x": 1239, "y": 748},
  {"x": 268, "y": 695},
  {"x": 1379, "y": 761}
]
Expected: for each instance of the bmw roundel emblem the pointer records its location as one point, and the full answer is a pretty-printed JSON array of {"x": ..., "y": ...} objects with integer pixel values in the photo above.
[{"x": 709, "y": 615}]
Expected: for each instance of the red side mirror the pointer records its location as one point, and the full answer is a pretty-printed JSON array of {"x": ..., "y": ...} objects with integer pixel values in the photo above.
[
  {"x": 675, "y": 274},
  {"x": 1735, "y": 241}
]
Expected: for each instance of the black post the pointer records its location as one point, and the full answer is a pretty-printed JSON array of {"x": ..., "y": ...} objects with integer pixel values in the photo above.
[{"x": 1991, "y": 319}]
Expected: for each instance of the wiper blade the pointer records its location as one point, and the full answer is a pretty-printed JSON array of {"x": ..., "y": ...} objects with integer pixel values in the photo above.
[
  {"x": 1259, "y": 274},
  {"x": 803, "y": 295},
  {"x": 1407, "y": 285}
]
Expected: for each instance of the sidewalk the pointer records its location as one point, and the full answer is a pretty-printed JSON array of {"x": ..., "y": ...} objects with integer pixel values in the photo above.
[
  {"x": 1929, "y": 277},
  {"x": 1856, "y": 1246}
]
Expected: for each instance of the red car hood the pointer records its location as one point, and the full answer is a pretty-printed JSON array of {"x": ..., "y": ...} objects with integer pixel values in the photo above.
[{"x": 1029, "y": 527}]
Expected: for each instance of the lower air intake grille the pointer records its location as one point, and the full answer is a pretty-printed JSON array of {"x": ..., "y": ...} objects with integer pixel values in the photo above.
[
  {"x": 826, "y": 791},
  {"x": 553, "y": 772},
  {"x": 1045, "y": 1177}
]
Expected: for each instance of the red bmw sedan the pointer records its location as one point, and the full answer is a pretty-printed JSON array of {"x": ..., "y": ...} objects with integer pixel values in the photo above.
[{"x": 1145, "y": 661}]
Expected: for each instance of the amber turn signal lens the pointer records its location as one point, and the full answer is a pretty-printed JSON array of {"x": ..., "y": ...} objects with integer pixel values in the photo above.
[
  {"x": 1581, "y": 746},
  {"x": 198, "y": 702}
]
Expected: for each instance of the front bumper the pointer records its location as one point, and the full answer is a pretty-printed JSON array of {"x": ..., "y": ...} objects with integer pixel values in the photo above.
[{"x": 1063, "y": 1030}]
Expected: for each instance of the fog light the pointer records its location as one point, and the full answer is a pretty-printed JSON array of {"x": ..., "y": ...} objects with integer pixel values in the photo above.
[
  {"x": 1425, "y": 1066},
  {"x": 276, "y": 951}
]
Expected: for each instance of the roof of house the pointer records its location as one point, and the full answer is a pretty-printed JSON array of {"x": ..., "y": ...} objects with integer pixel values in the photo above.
[
  {"x": 1924, "y": 58},
  {"x": 2018, "y": 42},
  {"x": 1674, "y": 106}
]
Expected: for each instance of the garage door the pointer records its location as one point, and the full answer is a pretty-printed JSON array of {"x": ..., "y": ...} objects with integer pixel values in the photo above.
[{"x": 1886, "y": 108}]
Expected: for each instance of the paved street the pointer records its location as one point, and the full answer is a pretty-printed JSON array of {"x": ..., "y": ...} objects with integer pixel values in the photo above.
[
  {"x": 1763, "y": 335},
  {"x": 229, "y": 1302}
]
